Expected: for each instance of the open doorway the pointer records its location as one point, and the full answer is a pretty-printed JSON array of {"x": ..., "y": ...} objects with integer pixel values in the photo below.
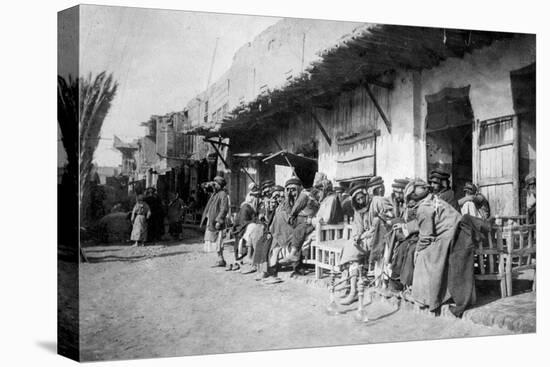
[{"x": 449, "y": 124}]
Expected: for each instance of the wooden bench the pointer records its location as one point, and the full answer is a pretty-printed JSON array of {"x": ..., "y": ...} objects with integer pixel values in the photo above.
[
  {"x": 491, "y": 258},
  {"x": 327, "y": 247},
  {"x": 509, "y": 251},
  {"x": 519, "y": 242}
]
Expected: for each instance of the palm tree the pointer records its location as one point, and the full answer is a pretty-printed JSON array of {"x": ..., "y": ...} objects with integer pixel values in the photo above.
[{"x": 82, "y": 105}]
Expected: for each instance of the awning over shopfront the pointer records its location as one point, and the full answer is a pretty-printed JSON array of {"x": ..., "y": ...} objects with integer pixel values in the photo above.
[
  {"x": 284, "y": 158},
  {"x": 365, "y": 57},
  {"x": 303, "y": 167}
]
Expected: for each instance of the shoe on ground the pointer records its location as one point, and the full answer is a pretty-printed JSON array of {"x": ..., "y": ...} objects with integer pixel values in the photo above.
[
  {"x": 349, "y": 300},
  {"x": 263, "y": 275},
  {"x": 236, "y": 267},
  {"x": 248, "y": 269},
  {"x": 220, "y": 264}
]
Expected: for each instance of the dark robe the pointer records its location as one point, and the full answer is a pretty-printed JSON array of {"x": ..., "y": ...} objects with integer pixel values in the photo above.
[
  {"x": 347, "y": 207},
  {"x": 216, "y": 211},
  {"x": 448, "y": 195},
  {"x": 155, "y": 223},
  {"x": 461, "y": 282},
  {"x": 437, "y": 223}
]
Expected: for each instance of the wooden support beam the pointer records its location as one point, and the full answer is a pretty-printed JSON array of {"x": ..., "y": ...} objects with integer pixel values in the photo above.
[
  {"x": 323, "y": 131},
  {"x": 380, "y": 111},
  {"x": 215, "y": 142},
  {"x": 219, "y": 154}
]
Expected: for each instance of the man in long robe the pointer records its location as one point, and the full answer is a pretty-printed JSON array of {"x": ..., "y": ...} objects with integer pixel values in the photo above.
[
  {"x": 355, "y": 251},
  {"x": 263, "y": 247},
  {"x": 247, "y": 214},
  {"x": 303, "y": 210},
  {"x": 441, "y": 187},
  {"x": 216, "y": 212},
  {"x": 437, "y": 223}
]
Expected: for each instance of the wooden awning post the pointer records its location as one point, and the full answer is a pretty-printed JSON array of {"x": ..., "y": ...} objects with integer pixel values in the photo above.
[
  {"x": 213, "y": 143},
  {"x": 219, "y": 154},
  {"x": 378, "y": 108},
  {"x": 321, "y": 127}
]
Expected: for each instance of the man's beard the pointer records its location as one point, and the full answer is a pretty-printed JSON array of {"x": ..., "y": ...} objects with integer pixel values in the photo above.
[{"x": 291, "y": 199}]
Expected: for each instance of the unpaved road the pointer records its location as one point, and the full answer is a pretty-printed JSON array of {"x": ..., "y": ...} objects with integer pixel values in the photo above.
[{"x": 167, "y": 301}]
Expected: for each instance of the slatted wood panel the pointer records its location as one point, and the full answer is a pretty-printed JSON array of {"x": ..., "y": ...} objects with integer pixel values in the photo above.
[
  {"x": 356, "y": 158},
  {"x": 491, "y": 259},
  {"x": 520, "y": 246},
  {"x": 496, "y": 167},
  {"x": 328, "y": 246}
]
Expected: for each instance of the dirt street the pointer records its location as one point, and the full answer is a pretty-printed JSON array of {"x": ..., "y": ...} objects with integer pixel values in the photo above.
[{"x": 166, "y": 300}]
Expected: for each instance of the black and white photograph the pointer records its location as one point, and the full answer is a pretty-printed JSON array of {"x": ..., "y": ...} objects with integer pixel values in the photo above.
[{"x": 242, "y": 183}]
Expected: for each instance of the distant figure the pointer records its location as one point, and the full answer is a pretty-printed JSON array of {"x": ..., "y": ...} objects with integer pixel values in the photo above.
[
  {"x": 174, "y": 215},
  {"x": 531, "y": 199},
  {"x": 156, "y": 223},
  {"x": 140, "y": 214}
]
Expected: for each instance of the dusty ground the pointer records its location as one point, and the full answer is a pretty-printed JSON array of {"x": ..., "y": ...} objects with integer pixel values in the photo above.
[{"x": 166, "y": 301}]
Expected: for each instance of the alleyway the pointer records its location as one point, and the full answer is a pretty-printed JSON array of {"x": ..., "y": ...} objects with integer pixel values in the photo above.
[{"x": 167, "y": 301}]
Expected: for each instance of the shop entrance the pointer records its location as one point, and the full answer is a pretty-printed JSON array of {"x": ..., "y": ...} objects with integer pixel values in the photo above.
[{"x": 449, "y": 123}]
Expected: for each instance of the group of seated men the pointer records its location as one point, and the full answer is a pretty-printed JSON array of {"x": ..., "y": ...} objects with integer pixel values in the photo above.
[{"x": 415, "y": 239}]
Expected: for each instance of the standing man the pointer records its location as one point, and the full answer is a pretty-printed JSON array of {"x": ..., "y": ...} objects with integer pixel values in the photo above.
[
  {"x": 398, "y": 197},
  {"x": 216, "y": 213},
  {"x": 174, "y": 215},
  {"x": 156, "y": 222},
  {"x": 380, "y": 213},
  {"x": 437, "y": 225}
]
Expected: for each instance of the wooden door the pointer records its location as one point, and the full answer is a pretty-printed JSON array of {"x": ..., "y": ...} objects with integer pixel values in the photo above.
[{"x": 496, "y": 163}]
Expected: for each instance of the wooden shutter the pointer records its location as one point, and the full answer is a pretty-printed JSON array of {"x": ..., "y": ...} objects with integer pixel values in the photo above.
[
  {"x": 496, "y": 163},
  {"x": 356, "y": 157}
]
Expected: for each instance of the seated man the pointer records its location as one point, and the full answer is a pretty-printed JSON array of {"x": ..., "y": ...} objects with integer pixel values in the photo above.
[
  {"x": 280, "y": 229},
  {"x": 247, "y": 215},
  {"x": 263, "y": 247},
  {"x": 303, "y": 210},
  {"x": 330, "y": 210},
  {"x": 474, "y": 203},
  {"x": 355, "y": 251}
]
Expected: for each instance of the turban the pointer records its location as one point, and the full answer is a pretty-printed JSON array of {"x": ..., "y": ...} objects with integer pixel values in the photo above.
[
  {"x": 399, "y": 184},
  {"x": 293, "y": 181},
  {"x": 375, "y": 181},
  {"x": 471, "y": 187},
  {"x": 220, "y": 181},
  {"x": 356, "y": 187}
]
